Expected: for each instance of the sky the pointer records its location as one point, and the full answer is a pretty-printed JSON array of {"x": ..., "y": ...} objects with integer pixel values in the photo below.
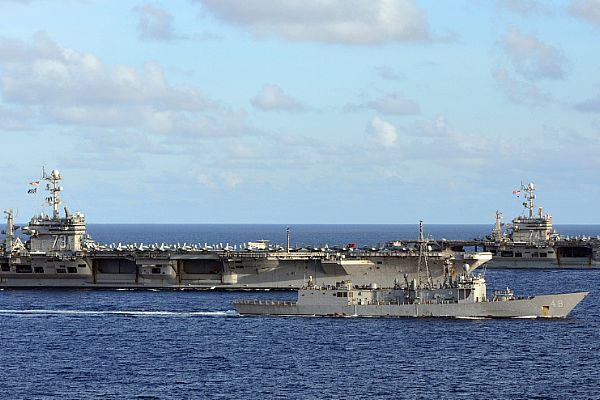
[{"x": 301, "y": 111}]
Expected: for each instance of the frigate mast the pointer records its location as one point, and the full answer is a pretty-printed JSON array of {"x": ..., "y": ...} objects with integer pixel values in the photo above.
[
  {"x": 423, "y": 273},
  {"x": 10, "y": 231},
  {"x": 54, "y": 178}
]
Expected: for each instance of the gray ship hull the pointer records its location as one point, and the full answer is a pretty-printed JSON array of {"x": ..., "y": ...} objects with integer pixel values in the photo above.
[
  {"x": 544, "y": 306},
  {"x": 234, "y": 270},
  {"x": 515, "y": 263}
]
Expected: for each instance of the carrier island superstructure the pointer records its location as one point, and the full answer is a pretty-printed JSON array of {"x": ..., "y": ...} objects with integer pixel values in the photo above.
[
  {"x": 530, "y": 241},
  {"x": 58, "y": 252}
]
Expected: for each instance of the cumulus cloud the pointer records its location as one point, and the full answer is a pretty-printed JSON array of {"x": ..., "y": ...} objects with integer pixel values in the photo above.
[
  {"x": 227, "y": 180},
  {"x": 519, "y": 91},
  {"x": 389, "y": 104},
  {"x": 437, "y": 128},
  {"x": 395, "y": 104},
  {"x": 273, "y": 98},
  {"x": 46, "y": 73},
  {"x": 532, "y": 58},
  {"x": 383, "y": 133},
  {"x": 69, "y": 87},
  {"x": 185, "y": 126},
  {"x": 154, "y": 23},
  {"x": 353, "y": 22},
  {"x": 588, "y": 10}
]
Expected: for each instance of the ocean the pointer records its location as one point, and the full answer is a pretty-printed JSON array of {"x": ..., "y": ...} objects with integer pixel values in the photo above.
[
  {"x": 309, "y": 235},
  {"x": 151, "y": 344}
]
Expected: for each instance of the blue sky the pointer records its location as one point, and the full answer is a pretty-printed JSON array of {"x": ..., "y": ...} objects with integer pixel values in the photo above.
[{"x": 331, "y": 111}]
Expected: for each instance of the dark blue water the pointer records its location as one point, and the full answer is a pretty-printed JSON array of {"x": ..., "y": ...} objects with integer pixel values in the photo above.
[
  {"x": 314, "y": 235},
  {"x": 189, "y": 344}
]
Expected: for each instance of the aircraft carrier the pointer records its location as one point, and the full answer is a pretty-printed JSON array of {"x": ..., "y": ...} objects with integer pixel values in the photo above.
[
  {"x": 57, "y": 251},
  {"x": 531, "y": 241}
]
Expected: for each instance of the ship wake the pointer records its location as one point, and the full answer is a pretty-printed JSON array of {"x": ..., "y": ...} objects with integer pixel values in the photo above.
[{"x": 124, "y": 313}]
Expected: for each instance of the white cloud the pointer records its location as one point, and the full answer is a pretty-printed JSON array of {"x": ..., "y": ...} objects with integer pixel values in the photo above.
[
  {"x": 389, "y": 104},
  {"x": 383, "y": 132},
  {"x": 154, "y": 23},
  {"x": 273, "y": 98},
  {"x": 205, "y": 180},
  {"x": 395, "y": 104},
  {"x": 533, "y": 58},
  {"x": 231, "y": 179},
  {"x": 227, "y": 180},
  {"x": 65, "y": 86},
  {"x": 184, "y": 126},
  {"x": 588, "y": 10},
  {"x": 436, "y": 128},
  {"x": 45, "y": 73},
  {"x": 354, "y": 22}
]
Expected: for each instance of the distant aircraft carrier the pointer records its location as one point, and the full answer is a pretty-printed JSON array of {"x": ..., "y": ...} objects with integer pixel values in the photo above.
[
  {"x": 60, "y": 253},
  {"x": 531, "y": 242}
]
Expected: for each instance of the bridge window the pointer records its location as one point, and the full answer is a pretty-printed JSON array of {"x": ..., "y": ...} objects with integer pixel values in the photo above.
[
  {"x": 156, "y": 270},
  {"x": 38, "y": 270},
  {"x": 506, "y": 254},
  {"x": 72, "y": 270}
]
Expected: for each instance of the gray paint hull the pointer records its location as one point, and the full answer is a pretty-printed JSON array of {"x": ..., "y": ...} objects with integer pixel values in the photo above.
[
  {"x": 239, "y": 271},
  {"x": 544, "y": 306},
  {"x": 519, "y": 263}
]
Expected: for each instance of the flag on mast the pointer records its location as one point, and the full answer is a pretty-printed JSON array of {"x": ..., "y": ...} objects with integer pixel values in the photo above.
[{"x": 36, "y": 183}]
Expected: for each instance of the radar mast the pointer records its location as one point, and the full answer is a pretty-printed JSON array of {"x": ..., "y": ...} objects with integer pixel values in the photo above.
[
  {"x": 10, "y": 231},
  {"x": 53, "y": 187},
  {"x": 529, "y": 191},
  {"x": 423, "y": 273}
]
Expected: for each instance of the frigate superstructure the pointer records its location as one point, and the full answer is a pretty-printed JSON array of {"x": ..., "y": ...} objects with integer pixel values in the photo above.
[{"x": 60, "y": 253}]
